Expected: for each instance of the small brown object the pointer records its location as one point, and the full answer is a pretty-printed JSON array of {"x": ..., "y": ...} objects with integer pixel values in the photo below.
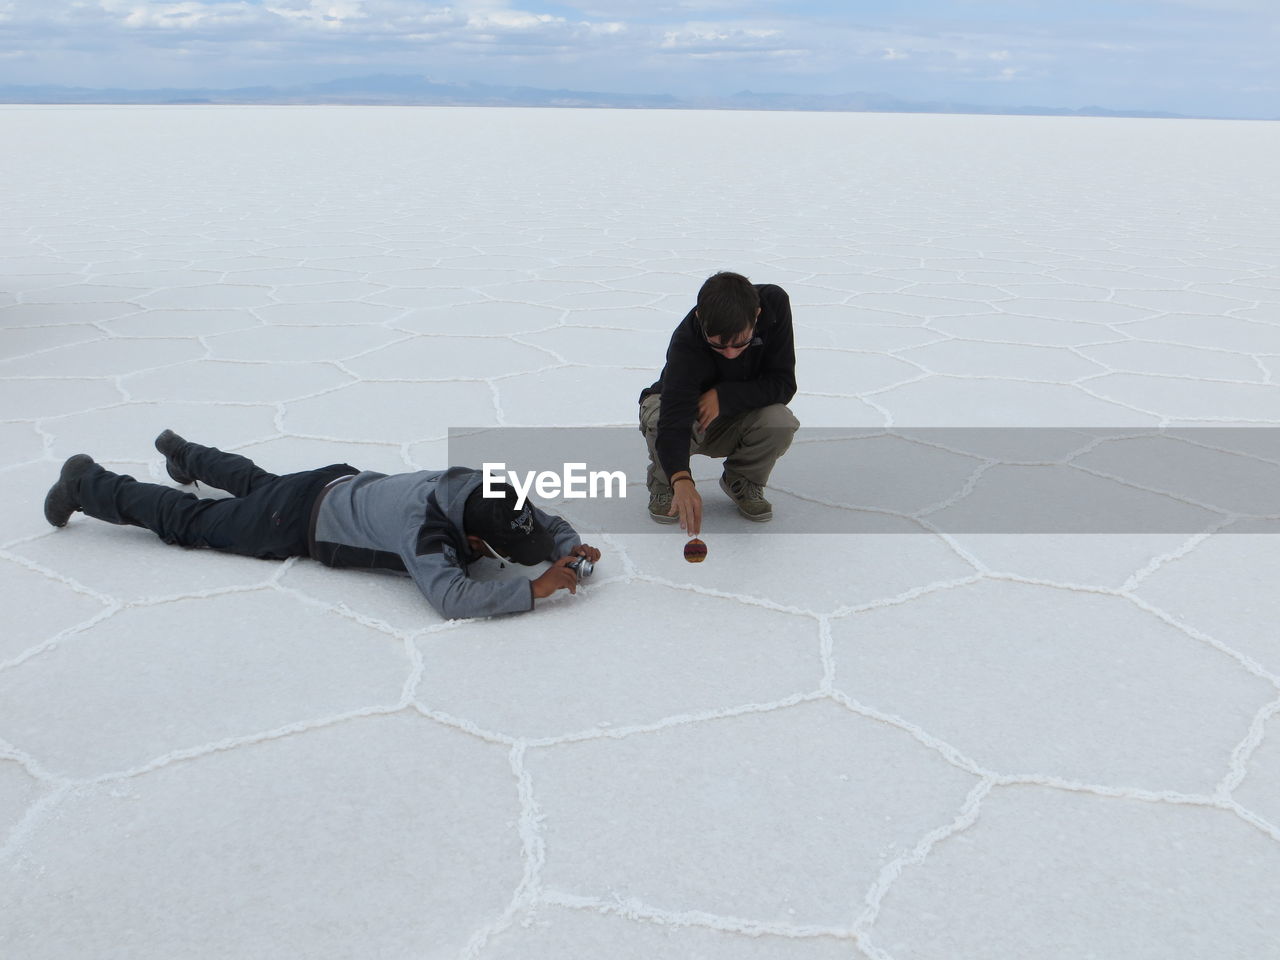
[{"x": 695, "y": 551}]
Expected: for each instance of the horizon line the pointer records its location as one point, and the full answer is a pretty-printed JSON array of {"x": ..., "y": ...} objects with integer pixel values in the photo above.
[{"x": 465, "y": 93}]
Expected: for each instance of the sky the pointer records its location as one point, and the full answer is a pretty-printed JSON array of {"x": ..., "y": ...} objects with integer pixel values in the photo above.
[{"x": 1200, "y": 57}]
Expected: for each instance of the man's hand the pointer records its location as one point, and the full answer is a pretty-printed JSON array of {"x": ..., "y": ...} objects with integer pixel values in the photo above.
[
  {"x": 708, "y": 408},
  {"x": 557, "y": 577},
  {"x": 686, "y": 502},
  {"x": 585, "y": 550}
]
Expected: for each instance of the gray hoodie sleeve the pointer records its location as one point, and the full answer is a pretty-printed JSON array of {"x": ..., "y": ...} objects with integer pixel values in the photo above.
[
  {"x": 444, "y": 582},
  {"x": 565, "y": 536}
]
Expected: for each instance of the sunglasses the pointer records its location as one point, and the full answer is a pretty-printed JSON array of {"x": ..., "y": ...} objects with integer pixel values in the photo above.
[{"x": 751, "y": 341}]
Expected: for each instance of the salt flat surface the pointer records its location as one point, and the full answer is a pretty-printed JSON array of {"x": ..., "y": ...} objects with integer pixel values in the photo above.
[{"x": 889, "y": 746}]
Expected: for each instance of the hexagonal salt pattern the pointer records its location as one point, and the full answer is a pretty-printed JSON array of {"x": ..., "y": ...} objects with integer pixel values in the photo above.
[
  {"x": 1169, "y": 874},
  {"x": 500, "y": 680},
  {"x": 1260, "y": 789},
  {"x": 611, "y": 930},
  {"x": 1091, "y": 688},
  {"x": 891, "y": 745},
  {"x": 191, "y": 671},
  {"x": 221, "y": 856},
  {"x": 672, "y": 815}
]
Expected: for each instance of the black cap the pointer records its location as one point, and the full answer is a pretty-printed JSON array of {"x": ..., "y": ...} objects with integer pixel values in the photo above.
[{"x": 514, "y": 533}]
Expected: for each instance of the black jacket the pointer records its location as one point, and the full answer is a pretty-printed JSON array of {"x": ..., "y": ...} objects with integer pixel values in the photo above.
[{"x": 758, "y": 377}]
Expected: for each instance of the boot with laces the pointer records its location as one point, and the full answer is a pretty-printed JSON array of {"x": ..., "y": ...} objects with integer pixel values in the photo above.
[
  {"x": 748, "y": 496},
  {"x": 660, "y": 503}
]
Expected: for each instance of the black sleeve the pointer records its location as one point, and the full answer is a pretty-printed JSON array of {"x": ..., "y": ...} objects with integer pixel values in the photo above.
[
  {"x": 680, "y": 391},
  {"x": 562, "y": 532},
  {"x": 776, "y": 381}
]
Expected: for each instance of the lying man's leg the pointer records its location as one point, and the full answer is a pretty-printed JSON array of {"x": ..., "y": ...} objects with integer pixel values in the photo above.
[
  {"x": 270, "y": 522},
  {"x": 188, "y": 462},
  {"x": 174, "y": 516}
]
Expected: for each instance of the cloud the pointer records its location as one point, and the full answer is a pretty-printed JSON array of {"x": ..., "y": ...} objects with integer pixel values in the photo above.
[
  {"x": 182, "y": 16},
  {"x": 327, "y": 14},
  {"x": 372, "y": 32},
  {"x": 512, "y": 20},
  {"x": 694, "y": 38},
  {"x": 357, "y": 17}
]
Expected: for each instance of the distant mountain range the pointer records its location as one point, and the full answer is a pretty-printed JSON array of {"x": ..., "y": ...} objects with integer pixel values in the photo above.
[{"x": 412, "y": 90}]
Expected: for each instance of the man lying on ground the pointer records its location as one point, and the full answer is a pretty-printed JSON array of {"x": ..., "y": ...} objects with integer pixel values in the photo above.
[{"x": 429, "y": 524}]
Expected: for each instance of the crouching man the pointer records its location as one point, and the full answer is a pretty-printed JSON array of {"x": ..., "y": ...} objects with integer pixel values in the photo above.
[
  {"x": 730, "y": 372},
  {"x": 429, "y": 524}
]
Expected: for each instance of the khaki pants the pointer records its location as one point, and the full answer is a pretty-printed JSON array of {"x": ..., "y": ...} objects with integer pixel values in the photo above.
[{"x": 750, "y": 443}]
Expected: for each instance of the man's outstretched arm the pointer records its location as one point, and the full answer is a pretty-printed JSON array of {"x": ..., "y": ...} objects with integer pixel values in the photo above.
[
  {"x": 567, "y": 546},
  {"x": 455, "y": 596},
  {"x": 566, "y": 538},
  {"x": 444, "y": 582}
]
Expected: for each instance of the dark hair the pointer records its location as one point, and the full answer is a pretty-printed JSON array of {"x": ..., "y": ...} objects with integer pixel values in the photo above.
[{"x": 727, "y": 305}]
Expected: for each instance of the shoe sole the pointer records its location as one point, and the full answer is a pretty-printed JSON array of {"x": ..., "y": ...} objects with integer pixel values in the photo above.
[
  {"x": 662, "y": 517},
  {"x": 50, "y": 517},
  {"x": 756, "y": 517}
]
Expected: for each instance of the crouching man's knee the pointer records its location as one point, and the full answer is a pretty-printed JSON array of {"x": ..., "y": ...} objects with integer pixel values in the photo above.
[
  {"x": 770, "y": 430},
  {"x": 650, "y": 407},
  {"x": 778, "y": 416}
]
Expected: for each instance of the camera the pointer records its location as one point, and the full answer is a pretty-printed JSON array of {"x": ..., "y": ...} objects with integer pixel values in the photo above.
[{"x": 582, "y": 567}]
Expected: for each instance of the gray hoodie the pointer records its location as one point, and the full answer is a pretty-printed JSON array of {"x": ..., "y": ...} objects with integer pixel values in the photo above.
[{"x": 412, "y": 522}]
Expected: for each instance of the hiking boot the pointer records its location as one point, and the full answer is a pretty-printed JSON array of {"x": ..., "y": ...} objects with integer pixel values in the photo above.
[
  {"x": 749, "y": 497},
  {"x": 660, "y": 503},
  {"x": 63, "y": 498},
  {"x": 170, "y": 444}
]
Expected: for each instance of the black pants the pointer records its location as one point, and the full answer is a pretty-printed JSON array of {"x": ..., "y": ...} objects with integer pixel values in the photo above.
[{"x": 267, "y": 516}]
